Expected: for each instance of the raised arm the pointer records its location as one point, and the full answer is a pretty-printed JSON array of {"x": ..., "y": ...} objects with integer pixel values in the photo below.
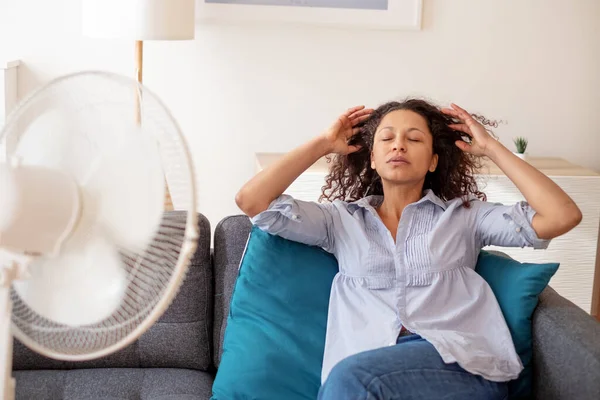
[
  {"x": 555, "y": 212},
  {"x": 256, "y": 195}
]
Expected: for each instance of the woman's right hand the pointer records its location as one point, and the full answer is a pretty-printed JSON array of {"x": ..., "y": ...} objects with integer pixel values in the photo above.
[
  {"x": 344, "y": 128},
  {"x": 256, "y": 195}
]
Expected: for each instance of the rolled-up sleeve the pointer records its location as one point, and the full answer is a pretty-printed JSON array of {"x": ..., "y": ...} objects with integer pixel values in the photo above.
[
  {"x": 301, "y": 221},
  {"x": 506, "y": 225}
]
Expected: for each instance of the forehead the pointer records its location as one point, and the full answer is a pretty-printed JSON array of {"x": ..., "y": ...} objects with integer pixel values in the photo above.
[{"x": 400, "y": 119}]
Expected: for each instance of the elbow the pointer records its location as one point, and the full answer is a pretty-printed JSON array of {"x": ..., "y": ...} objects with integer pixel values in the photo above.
[
  {"x": 241, "y": 200},
  {"x": 563, "y": 220},
  {"x": 245, "y": 202},
  {"x": 570, "y": 217},
  {"x": 575, "y": 217}
]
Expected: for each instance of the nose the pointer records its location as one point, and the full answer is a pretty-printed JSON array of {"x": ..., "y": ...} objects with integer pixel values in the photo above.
[{"x": 400, "y": 144}]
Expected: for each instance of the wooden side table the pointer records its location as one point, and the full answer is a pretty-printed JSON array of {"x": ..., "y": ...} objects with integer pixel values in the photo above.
[{"x": 578, "y": 278}]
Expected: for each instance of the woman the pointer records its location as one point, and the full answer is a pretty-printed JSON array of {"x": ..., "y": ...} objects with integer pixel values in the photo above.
[{"x": 408, "y": 316}]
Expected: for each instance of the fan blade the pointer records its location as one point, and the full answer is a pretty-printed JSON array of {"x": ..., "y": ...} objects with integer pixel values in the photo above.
[
  {"x": 54, "y": 139},
  {"x": 39, "y": 208},
  {"x": 127, "y": 188},
  {"x": 83, "y": 286}
]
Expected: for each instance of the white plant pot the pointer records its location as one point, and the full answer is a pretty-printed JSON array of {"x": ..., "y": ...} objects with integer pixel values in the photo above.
[{"x": 522, "y": 156}]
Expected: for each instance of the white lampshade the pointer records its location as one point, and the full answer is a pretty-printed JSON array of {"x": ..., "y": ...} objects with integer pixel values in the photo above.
[{"x": 139, "y": 19}]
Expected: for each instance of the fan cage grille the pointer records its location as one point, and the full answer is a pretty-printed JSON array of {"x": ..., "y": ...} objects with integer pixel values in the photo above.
[{"x": 95, "y": 107}]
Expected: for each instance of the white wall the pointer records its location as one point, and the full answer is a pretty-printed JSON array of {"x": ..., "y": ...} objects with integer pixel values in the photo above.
[{"x": 241, "y": 90}]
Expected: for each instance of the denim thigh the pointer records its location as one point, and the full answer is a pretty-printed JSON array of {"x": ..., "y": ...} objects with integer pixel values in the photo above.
[{"x": 411, "y": 370}]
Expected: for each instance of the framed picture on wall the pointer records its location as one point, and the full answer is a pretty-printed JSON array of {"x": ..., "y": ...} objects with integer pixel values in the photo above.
[{"x": 371, "y": 14}]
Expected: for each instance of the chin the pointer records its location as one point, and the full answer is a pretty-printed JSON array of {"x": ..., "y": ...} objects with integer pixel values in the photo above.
[{"x": 402, "y": 178}]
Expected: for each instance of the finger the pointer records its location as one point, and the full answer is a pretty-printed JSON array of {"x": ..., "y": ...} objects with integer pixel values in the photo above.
[
  {"x": 461, "y": 127},
  {"x": 360, "y": 113},
  {"x": 450, "y": 111},
  {"x": 352, "y": 110},
  {"x": 355, "y": 131},
  {"x": 360, "y": 119},
  {"x": 458, "y": 108},
  {"x": 364, "y": 111},
  {"x": 453, "y": 113},
  {"x": 461, "y": 112},
  {"x": 463, "y": 146},
  {"x": 353, "y": 148}
]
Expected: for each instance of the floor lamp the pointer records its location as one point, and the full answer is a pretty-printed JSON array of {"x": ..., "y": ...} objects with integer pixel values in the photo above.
[{"x": 139, "y": 21}]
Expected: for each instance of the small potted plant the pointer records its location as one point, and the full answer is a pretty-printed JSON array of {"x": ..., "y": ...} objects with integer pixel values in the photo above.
[{"x": 521, "y": 146}]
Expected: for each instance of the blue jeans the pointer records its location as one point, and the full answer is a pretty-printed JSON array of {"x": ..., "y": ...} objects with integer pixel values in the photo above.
[{"x": 410, "y": 370}]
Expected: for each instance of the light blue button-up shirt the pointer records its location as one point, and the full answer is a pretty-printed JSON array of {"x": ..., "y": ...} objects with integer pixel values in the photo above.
[{"x": 424, "y": 281}]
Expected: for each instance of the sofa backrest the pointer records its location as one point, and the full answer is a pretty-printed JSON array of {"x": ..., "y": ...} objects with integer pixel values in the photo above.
[
  {"x": 181, "y": 338},
  {"x": 231, "y": 237}
]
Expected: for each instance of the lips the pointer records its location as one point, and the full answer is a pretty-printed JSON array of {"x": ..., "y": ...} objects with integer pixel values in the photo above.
[{"x": 398, "y": 160}]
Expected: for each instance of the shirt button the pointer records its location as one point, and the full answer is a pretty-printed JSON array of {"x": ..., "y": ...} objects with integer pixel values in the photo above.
[
  {"x": 294, "y": 217},
  {"x": 518, "y": 229}
]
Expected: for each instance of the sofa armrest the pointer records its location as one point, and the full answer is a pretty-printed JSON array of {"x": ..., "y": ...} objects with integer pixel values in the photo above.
[{"x": 566, "y": 350}]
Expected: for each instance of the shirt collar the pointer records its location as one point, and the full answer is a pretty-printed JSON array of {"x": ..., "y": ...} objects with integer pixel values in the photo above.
[{"x": 375, "y": 201}]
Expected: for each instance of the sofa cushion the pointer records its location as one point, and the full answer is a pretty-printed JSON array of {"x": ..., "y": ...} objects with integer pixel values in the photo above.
[
  {"x": 517, "y": 287},
  {"x": 181, "y": 338},
  {"x": 231, "y": 235},
  {"x": 273, "y": 347},
  {"x": 114, "y": 383}
]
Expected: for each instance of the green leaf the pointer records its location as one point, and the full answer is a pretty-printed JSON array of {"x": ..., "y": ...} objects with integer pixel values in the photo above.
[{"x": 520, "y": 144}]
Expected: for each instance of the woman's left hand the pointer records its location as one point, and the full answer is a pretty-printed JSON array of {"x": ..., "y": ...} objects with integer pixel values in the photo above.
[
  {"x": 555, "y": 212},
  {"x": 480, "y": 138}
]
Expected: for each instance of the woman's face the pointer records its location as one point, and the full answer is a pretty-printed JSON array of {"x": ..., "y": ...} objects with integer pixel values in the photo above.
[{"x": 403, "y": 148}]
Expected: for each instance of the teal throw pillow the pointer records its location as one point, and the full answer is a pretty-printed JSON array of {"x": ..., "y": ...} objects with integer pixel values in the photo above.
[
  {"x": 275, "y": 334},
  {"x": 517, "y": 287}
]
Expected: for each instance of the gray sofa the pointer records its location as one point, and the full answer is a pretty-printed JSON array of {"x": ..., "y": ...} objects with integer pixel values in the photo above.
[{"x": 177, "y": 358}]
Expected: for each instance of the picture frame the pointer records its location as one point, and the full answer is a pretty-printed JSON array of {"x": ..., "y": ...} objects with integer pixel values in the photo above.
[{"x": 365, "y": 14}]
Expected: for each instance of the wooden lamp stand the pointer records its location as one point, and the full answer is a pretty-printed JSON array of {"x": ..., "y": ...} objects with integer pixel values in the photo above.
[{"x": 139, "y": 68}]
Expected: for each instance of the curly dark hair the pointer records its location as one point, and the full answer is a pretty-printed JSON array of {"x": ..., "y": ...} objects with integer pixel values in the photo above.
[{"x": 351, "y": 176}]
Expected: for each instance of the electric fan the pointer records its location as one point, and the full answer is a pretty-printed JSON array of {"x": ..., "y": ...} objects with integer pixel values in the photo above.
[{"x": 89, "y": 260}]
